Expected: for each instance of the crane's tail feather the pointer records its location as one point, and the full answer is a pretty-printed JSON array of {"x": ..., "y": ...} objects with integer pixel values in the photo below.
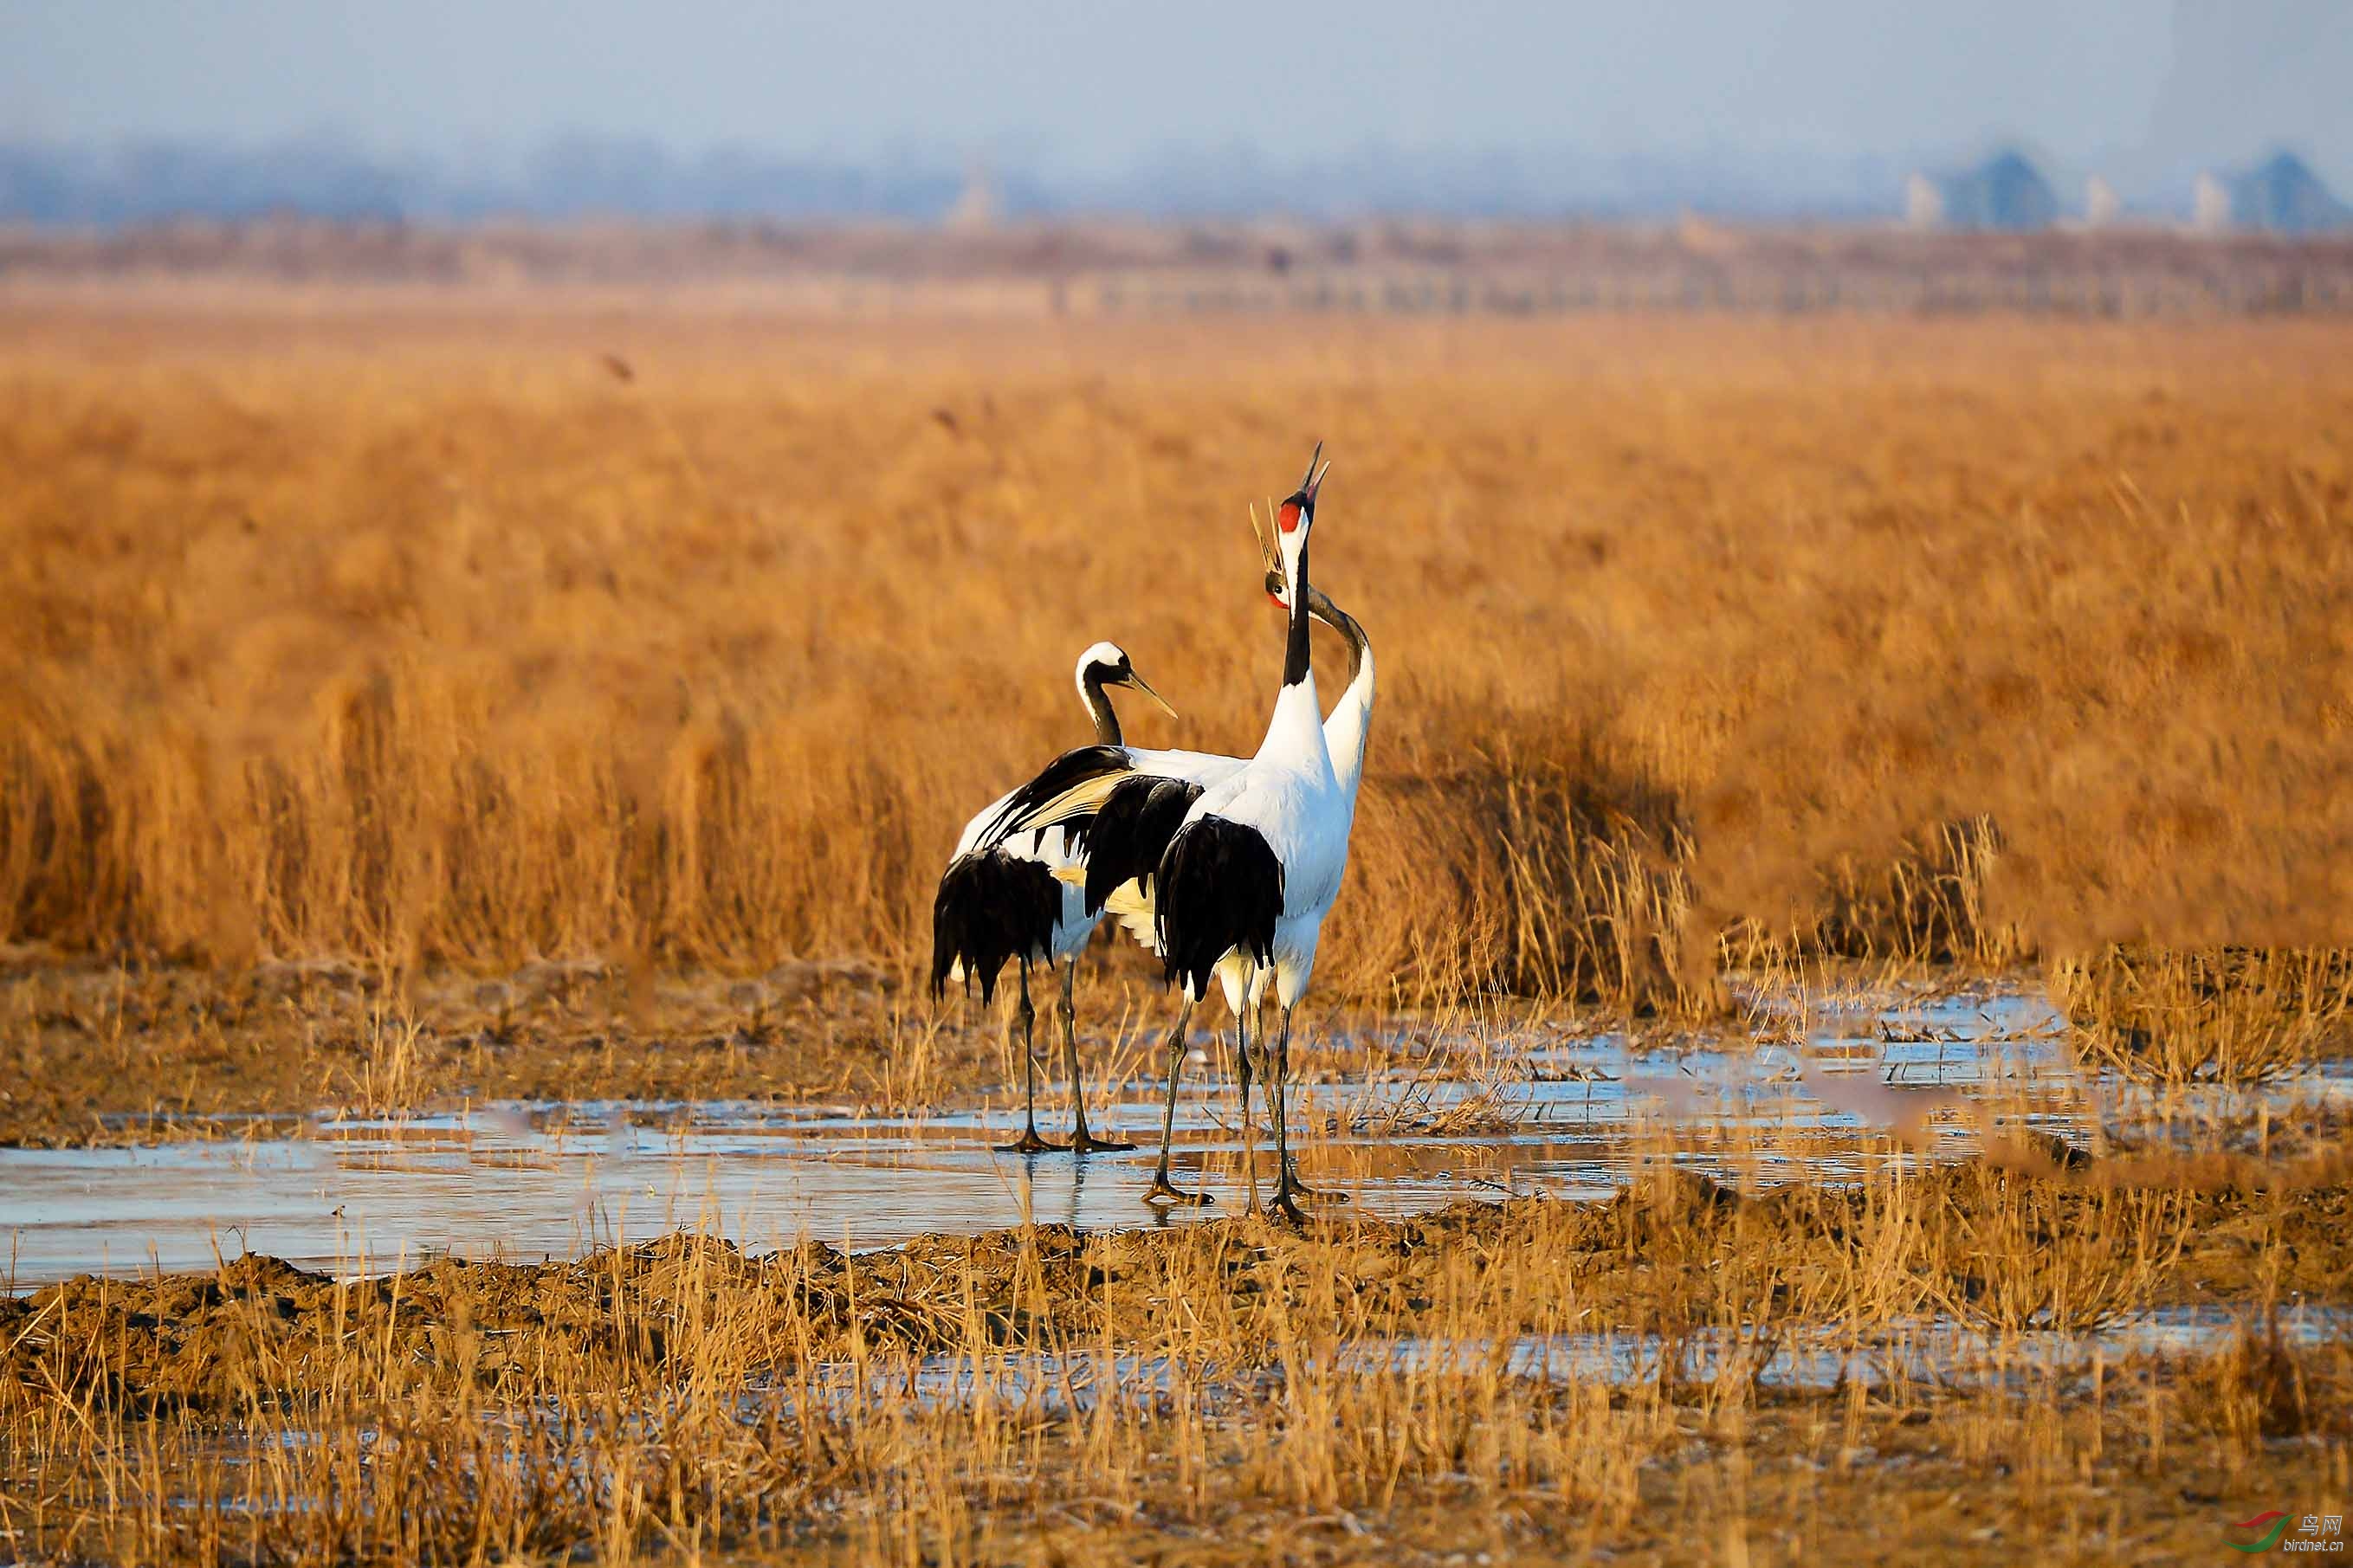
[
  {"x": 991, "y": 906},
  {"x": 1130, "y": 831},
  {"x": 1220, "y": 890}
]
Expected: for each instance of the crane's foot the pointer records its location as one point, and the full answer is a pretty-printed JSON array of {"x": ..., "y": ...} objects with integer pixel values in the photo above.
[
  {"x": 1029, "y": 1144},
  {"x": 1086, "y": 1142},
  {"x": 1164, "y": 1192},
  {"x": 1293, "y": 1187},
  {"x": 1285, "y": 1208}
]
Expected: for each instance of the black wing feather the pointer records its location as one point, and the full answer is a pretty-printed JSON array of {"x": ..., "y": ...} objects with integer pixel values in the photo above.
[{"x": 1070, "y": 769}]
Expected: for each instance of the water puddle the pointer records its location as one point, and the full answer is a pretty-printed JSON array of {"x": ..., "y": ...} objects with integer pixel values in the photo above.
[{"x": 1552, "y": 1114}]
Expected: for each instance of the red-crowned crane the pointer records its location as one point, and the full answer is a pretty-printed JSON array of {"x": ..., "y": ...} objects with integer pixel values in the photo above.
[
  {"x": 1009, "y": 894},
  {"x": 1239, "y": 872}
]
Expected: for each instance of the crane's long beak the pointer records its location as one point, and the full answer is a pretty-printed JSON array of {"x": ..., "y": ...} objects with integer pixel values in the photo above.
[
  {"x": 1265, "y": 546},
  {"x": 1146, "y": 686}
]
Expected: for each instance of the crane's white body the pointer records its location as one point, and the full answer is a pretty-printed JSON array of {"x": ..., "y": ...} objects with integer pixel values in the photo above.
[{"x": 1291, "y": 795}]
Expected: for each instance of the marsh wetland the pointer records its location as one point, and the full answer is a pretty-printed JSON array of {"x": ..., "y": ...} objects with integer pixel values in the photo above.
[{"x": 1834, "y": 1033}]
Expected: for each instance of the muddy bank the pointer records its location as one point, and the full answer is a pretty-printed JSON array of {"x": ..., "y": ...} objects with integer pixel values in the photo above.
[
  {"x": 99, "y": 1057},
  {"x": 2016, "y": 1242},
  {"x": 93, "y": 1056}
]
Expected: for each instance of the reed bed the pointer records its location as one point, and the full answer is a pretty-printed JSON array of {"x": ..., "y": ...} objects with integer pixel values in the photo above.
[
  {"x": 657, "y": 639},
  {"x": 2231, "y": 1015}
]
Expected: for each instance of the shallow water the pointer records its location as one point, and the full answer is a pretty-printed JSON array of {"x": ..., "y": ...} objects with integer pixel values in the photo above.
[{"x": 1553, "y": 1114}]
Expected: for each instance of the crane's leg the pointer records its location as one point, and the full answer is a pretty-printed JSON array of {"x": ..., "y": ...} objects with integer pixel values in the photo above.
[
  {"x": 1082, "y": 1141},
  {"x": 1291, "y": 1184},
  {"x": 1022, "y": 1019},
  {"x": 1163, "y": 1190},
  {"x": 1246, "y": 1067},
  {"x": 1286, "y": 1205}
]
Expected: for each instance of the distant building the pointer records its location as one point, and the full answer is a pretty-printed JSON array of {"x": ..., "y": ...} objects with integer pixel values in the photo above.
[
  {"x": 976, "y": 205},
  {"x": 2210, "y": 205},
  {"x": 2280, "y": 193},
  {"x": 2101, "y": 205},
  {"x": 2005, "y": 192},
  {"x": 1924, "y": 204}
]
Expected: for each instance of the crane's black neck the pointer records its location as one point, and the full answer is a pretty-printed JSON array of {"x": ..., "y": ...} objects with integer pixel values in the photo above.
[
  {"x": 1099, "y": 707},
  {"x": 1294, "y": 660},
  {"x": 1341, "y": 621}
]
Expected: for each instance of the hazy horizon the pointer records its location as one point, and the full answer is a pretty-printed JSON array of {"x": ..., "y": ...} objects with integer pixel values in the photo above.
[{"x": 1817, "y": 99}]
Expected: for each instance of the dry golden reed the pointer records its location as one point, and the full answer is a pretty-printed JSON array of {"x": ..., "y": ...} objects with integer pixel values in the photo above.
[
  {"x": 422, "y": 635},
  {"x": 2227, "y": 1015}
]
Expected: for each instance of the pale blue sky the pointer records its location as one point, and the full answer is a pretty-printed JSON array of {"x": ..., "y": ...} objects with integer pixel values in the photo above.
[{"x": 1096, "y": 86}]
